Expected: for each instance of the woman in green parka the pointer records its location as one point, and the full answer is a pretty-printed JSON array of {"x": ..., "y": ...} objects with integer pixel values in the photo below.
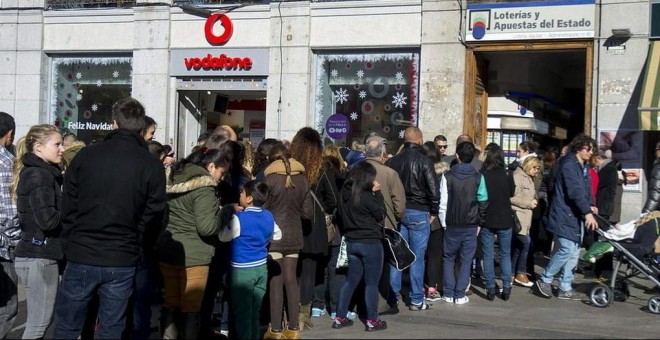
[{"x": 186, "y": 246}]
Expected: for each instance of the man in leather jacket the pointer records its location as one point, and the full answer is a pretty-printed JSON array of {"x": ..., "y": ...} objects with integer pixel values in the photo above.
[
  {"x": 653, "y": 195},
  {"x": 417, "y": 174}
]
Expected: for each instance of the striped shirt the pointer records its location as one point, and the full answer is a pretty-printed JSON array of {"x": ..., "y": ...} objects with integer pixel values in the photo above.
[{"x": 10, "y": 231}]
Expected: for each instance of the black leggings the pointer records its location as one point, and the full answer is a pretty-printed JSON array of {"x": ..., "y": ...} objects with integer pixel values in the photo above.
[
  {"x": 312, "y": 276},
  {"x": 434, "y": 260},
  {"x": 284, "y": 279}
]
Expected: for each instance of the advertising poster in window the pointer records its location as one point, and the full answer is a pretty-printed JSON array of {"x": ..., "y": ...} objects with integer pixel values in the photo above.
[
  {"x": 633, "y": 180},
  {"x": 626, "y": 146},
  {"x": 83, "y": 92}
]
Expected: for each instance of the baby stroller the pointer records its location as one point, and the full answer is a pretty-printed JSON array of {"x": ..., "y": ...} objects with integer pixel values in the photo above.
[{"x": 637, "y": 252}]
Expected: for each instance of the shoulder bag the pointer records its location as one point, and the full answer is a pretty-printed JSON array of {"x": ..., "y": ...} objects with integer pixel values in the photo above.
[{"x": 330, "y": 227}]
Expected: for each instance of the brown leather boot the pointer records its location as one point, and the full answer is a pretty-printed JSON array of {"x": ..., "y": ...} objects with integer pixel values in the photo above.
[{"x": 292, "y": 333}]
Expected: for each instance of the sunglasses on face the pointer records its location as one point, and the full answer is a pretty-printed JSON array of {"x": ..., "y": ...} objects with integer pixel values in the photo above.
[{"x": 443, "y": 146}]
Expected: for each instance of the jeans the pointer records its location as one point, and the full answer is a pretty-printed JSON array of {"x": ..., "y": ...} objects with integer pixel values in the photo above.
[
  {"x": 519, "y": 253},
  {"x": 365, "y": 262},
  {"x": 8, "y": 297},
  {"x": 563, "y": 260},
  {"x": 80, "y": 283},
  {"x": 461, "y": 244},
  {"x": 41, "y": 278},
  {"x": 334, "y": 278},
  {"x": 487, "y": 239},
  {"x": 415, "y": 228},
  {"x": 147, "y": 277}
]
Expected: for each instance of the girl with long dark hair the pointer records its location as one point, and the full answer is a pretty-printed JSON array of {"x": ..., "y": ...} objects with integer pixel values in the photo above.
[
  {"x": 186, "y": 247},
  {"x": 499, "y": 222},
  {"x": 361, "y": 212}
]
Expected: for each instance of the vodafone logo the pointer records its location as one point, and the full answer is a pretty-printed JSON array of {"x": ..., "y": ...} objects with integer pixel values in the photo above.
[{"x": 225, "y": 22}]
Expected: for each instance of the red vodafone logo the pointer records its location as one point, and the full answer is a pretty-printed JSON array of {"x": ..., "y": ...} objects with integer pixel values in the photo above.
[{"x": 225, "y": 22}]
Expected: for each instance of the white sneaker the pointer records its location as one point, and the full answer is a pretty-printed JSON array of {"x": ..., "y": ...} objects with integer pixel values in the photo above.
[
  {"x": 448, "y": 299},
  {"x": 462, "y": 301}
]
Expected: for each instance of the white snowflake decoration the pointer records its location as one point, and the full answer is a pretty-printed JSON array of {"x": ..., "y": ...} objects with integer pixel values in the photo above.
[
  {"x": 398, "y": 76},
  {"x": 78, "y": 97},
  {"x": 401, "y": 133},
  {"x": 360, "y": 74},
  {"x": 362, "y": 94},
  {"x": 354, "y": 116},
  {"x": 342, "y": 96},
  {"x": 399, "y": 100},
  {"x": 78, "y": 75},
  {"x": 115, "y": 74},
  {"x": 99, "y": 83},
  {"x": 334, "y": 73},
  {"x": 95, "y": 107}
]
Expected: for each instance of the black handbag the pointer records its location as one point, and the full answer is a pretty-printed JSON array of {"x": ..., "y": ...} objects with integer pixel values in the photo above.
[
  {"x": 517, "y": 227},
  {"x": 399, "y": 253}
]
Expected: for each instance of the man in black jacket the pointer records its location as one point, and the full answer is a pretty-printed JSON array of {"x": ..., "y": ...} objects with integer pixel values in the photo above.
[
  {"x": 417, "y": 174},
  {"x": 114, "y": 192}
]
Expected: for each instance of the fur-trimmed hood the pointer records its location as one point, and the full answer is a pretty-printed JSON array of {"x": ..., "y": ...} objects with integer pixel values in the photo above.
[
  {"x": 191, "y": 177},
  {"x": 277, "y": 167}
]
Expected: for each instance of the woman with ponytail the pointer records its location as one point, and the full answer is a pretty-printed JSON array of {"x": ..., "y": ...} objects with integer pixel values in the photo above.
[
  {"x": 289, "y": 201},
  {"x": 36, "y": 188},
  {"x": 186, "y": 246}
]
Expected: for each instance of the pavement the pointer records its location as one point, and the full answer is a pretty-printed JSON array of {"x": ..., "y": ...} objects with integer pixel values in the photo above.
[{"x": 525, "y": 315}]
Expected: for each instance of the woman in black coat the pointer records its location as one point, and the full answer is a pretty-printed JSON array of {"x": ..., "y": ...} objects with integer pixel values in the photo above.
[{"x": 37, "y": 191}]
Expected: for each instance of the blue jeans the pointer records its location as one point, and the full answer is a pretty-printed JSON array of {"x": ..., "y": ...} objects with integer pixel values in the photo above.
[
  {"x": 365, "y": 262},
  {"x": 487, "y": 238},
  {"x": 80, "y": 283},
  {"x": 146, "y": 279},
  {"x": 41, "y": 278},
  {"x": 563, "y": 260},
  {"x": 415, "y": 228},
  {"x": 460, "y": 243},
  {"x": 519, "y": 253}
]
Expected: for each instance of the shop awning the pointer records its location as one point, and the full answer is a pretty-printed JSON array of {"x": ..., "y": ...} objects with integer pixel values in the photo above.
[{"x": 649, "y": 102}]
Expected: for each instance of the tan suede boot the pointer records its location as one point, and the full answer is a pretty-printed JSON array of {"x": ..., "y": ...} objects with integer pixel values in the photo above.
[
  {"x": 274, "y": 335},
  {"x": 292, "y": 333},
  {"x": 305, "y": 318}
]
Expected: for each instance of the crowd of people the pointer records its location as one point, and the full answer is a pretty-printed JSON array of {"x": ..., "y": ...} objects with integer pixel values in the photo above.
[{"x": 231, "y": 237}]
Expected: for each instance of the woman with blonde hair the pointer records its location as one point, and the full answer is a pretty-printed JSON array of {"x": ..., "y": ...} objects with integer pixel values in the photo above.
[
  {"x": 36, "y": 188},
  {"x": 524, "y": 200},
  {"x": 289, "y": 200}
]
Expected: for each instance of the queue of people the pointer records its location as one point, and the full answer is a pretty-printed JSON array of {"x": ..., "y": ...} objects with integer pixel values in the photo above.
[{"x": 231, "y": 238}]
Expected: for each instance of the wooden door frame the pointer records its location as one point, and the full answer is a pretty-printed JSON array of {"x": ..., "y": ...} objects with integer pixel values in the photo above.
[{"x": 471, "y": 72}]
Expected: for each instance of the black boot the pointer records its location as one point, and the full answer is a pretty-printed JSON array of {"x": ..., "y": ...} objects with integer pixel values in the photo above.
[
  {"x": 190, "y": 329},
  {"x": 506, "y": 293},
  {"x": 168, "y": 323},
  {"x": 491, "y": 293}
]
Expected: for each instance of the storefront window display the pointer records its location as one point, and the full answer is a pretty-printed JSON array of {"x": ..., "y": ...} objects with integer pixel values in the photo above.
[
  {"x": 83, "y": 92},
  {"x": 368, "y": 92}
]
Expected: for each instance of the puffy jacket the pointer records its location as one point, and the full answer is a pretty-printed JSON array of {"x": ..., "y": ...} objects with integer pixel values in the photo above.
[
  {"x": 653, "y": 196},
  {"x": 572, "y": 199},
  {"x": 417, "y": 174},
  {"x": 194, "y": 219},
  {"x": 39, "y": 201}
]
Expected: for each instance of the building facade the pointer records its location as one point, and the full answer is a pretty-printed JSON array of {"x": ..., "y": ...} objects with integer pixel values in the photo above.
[{"x": 346, "y": 68}]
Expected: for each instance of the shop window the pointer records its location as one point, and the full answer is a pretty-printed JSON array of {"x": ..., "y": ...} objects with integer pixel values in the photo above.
[
  {"x": 83, "y": 91},
  {"x": 361, "y": 93}
]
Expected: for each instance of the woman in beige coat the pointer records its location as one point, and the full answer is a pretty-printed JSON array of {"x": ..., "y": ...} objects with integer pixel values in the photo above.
[{"x": 524, "y": 200}]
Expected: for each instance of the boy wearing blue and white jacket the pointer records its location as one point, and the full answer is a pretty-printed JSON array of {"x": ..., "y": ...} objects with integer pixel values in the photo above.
[{"x": 250, "y": 232}]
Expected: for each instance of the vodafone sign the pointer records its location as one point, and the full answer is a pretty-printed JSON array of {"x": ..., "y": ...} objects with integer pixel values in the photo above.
[
  {"x": 223, "y": 61},
  {"x": 224, "y": 37}
]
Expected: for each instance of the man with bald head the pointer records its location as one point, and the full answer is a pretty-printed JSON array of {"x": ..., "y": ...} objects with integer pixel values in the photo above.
[{"x": 417, "y": 174}]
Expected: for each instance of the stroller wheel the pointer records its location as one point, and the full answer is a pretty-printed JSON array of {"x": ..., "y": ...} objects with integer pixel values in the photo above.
[
  {"x": 601, "y": 296},
  {"x": 654, "y": 305}
]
